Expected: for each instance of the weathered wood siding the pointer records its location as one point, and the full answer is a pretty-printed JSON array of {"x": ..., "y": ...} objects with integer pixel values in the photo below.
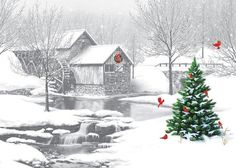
[
  {"x": 83, "y": 42},
  {"x": 88, "y": 74}
]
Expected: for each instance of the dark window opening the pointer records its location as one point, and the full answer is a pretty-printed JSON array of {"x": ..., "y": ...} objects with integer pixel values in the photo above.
[{"x": 109, "y": 68}]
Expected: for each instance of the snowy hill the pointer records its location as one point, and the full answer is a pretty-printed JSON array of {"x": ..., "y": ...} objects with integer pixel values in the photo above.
[
  {"x": 149, "y": 79},
  {"x": 12, "y": 76}
]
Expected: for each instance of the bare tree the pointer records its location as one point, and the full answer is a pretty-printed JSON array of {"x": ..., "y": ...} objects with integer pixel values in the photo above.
[
  {"x": 227, "y": 34},
  {"x": 167, "y": 25},
  {"x": 43, "y": 25},
  {"x": 9, "y": 13}
]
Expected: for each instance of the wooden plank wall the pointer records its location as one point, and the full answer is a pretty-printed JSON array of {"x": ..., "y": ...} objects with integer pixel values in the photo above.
[{"x": 88, "y": 74}]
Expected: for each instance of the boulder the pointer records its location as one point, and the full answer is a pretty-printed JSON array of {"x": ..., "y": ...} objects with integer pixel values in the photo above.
[
  {"x": 92, "y": 137},
  {"x": 105, "y": 139},
  {"x": 105, "y": 129}
]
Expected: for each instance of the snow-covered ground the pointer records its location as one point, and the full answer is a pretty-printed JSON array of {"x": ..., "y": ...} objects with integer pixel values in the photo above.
[
  {"x": 19, "y": 155},
  {"x": 26, "y": 113},
  {"x": 142, "y": 146},
  {"x": 136, "y": 148},
  {"x": 149, "y": 79},
  {"x": 12, "y": 76}
]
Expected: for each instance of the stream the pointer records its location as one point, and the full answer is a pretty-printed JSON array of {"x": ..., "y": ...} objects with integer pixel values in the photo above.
[{"x": 69, "y": 143}]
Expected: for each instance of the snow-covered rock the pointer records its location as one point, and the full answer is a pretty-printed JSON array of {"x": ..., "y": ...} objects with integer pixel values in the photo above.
[
  {"x": 105, "y": 128},
  {"x": 92, "y": 137},
  {"x": 149, "y": 79},
  {"x": 20, "y": 140},
  {"x": 4, "y": 131},
  {"x": 60, "y": 132},
  {"x": 108, "y": 113},
  {"x": 12, "y": 75}
]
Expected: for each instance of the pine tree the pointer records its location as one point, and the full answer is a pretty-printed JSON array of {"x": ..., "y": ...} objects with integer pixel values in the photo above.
[{"x": 193, "y": 114}]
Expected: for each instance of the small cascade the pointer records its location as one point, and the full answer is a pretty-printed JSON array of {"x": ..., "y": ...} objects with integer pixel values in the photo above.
[{"x": 76, "y": 137}]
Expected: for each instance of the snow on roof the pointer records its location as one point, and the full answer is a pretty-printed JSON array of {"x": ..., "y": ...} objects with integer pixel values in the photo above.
[
  {"x": 70, "y": 37},
  {"x": 97, "y": 54}
]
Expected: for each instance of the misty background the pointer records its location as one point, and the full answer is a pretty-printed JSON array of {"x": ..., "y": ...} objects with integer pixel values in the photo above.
[{"x": 118, "y": 22}]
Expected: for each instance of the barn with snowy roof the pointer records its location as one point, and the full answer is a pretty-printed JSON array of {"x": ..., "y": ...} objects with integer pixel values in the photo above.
[
  {"x": 90, "y": 68},
  {"x": 102, "y": 69}
]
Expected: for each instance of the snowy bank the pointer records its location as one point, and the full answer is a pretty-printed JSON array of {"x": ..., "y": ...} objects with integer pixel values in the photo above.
[
  {"x": 12, "y": 76},
  {"x": 11, "y": 154},
  {"x": 142, "y": 146},
  {"x": 149, "y": 79},
  {"x": 15, "y": 115}
]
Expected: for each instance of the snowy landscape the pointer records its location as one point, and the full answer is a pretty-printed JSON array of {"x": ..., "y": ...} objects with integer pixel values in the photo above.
[{"x": 91, "y": 92}]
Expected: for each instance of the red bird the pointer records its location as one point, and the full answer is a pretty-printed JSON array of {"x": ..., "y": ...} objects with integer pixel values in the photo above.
[
  {"x": 220, "y": 124},
  {"x": 217, "y": 44},
  {"x": 190, "y": 76},
  {"x": 165, "y": 137},
  {"x": 185, "y": 109},
  {"x": 160, "y": 101},
  {"x": 206, "y": 93}
]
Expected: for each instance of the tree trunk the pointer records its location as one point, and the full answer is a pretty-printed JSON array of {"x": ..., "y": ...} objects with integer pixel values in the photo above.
[
  {"x": 46, "y": 87},
  {"x": 170, "y": 78},
  {"x": 133, "y": 71},
  {"x": 46, "y": 94}
]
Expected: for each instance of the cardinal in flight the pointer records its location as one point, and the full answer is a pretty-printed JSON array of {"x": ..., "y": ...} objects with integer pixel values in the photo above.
[
  {"x": 217, "y": 44},
  {"x": 160, "y": 101}
]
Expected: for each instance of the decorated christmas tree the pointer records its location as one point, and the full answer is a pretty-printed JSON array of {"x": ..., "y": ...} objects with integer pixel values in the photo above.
[{"x": 193, "y": 114}]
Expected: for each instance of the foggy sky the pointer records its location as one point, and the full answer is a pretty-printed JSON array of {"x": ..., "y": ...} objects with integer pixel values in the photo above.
[{"x": 93, "y": 6}]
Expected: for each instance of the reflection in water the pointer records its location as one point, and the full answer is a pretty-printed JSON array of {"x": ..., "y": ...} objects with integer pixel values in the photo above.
[{"x": 138, "y": 112}]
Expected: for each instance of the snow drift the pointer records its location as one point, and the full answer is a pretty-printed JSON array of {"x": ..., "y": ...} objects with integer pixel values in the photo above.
[
  {"x": 149, "y": 79},
  {"x": 12, "y": 75}
]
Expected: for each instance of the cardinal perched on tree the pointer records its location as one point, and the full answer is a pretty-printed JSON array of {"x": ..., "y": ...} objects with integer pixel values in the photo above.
[
  {"x": 217, "y": 44},
  {"x": 193, "y": 114},
  {"x": 160, "y": 101},
  {"x": 205, "y": 92}
]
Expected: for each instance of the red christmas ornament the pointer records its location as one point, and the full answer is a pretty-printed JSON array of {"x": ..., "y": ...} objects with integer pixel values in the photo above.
[
  {"x": 118, "y": 58},
  {"x": 220, "y": 124},
  {"x": 165, "y": 137},
  {"x": 217, "y": 44},
  {"x": 206, "y": 93},
  {"x": 190, "y": 76},
  {"x": 185, "y": 109},
  {"x": 160, "y": 101}
]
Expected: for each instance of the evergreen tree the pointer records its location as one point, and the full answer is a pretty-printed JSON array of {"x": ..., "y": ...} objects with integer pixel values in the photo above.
[{"x": 193, "y": 114}]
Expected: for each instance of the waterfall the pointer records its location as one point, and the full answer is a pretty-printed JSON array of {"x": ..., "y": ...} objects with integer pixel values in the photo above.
[{"x": 76, "y": 137}]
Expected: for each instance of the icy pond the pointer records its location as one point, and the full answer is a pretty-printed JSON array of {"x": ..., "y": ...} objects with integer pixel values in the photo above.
[{"x": 137, "y": 111}]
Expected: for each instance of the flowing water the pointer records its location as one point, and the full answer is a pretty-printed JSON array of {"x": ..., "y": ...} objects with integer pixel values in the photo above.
[{"x": 77, "y": 137}]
